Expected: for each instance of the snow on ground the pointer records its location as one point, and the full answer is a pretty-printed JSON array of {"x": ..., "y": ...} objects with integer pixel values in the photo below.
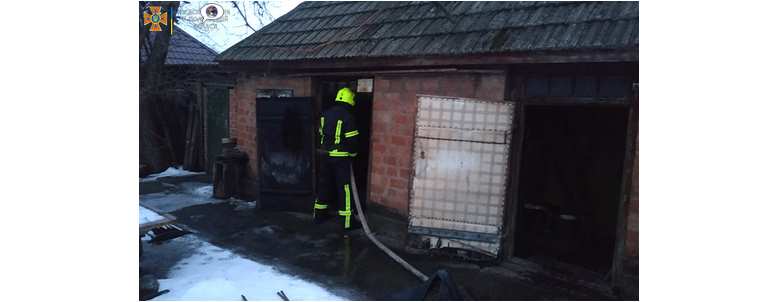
[
  {"x": 213, "y": 273},
  {"x": 171, "y": 171},
  {"x": 145, "y": 215},
  {"x": 188, "y": 194},
  {"x": 205, "y": 191}
]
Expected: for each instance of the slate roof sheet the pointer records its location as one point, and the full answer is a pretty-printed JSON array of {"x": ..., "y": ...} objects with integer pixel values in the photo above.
[
  {"x": 327, "y": 30},
  {"x": 185, "y": 50}
]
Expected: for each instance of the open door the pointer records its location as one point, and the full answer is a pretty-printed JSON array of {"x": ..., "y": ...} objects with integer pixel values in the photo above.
[{"x": 285, "y": 153}]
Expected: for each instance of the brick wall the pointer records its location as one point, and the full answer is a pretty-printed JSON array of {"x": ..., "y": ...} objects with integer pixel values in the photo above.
[
  {"x": 394, "y": 116},
  {"x": 632, "y": 214},
  {"x": 243, "y": 109}
]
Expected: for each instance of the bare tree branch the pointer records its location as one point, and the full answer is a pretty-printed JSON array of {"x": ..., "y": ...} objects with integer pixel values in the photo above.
[{"x": 235, "y": 4}]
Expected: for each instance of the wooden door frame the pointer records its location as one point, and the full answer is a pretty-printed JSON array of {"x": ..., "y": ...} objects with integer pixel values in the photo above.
[{"x": 619, "y": 250}]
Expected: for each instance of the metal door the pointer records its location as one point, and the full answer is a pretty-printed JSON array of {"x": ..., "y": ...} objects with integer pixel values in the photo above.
[
  {"x": 285, "y": 153},
  {"x": 461, "y": 149}
]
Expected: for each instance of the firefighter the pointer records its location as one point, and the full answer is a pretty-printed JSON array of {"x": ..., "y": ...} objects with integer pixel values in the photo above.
[{"x": 338, "y": 140}]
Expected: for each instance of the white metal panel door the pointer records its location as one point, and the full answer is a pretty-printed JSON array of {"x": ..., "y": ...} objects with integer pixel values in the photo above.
[{"x": 461, "y": 149}]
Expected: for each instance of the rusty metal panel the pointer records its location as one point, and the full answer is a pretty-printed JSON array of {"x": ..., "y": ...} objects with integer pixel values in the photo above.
[{"x": 461, "y": 150}]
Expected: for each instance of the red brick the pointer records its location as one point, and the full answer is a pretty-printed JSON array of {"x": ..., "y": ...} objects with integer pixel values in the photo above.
[
  {"x": 378, "y": 169},
  {"x": 404, "y": 173},
  {"x": 381, "y": 85},
  {"x": 411, "y": 84},
  {"x": 392, "y": 98},
  {"x": 379, "y": 181},
  {"x": 377, "y": 159},
  {"x": 397, "y": 183},
  {"x": 379, "y": 103},
  {"x": 448, "y": 86},
  {"x": 390, "y": 160},
  {"x": 400, "y": 118},
  {"x": 467, "y": 88},
  {"x": 429, "y": 85},
  {"x": 396, "y": 85},
  {"x": 378, "y": 147},
  {"x": 390, "y": 171},
  {"x": 399, "y": 140}
]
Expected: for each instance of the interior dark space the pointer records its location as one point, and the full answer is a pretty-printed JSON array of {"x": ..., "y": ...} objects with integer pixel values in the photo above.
[{"x": 569, "y": 184}]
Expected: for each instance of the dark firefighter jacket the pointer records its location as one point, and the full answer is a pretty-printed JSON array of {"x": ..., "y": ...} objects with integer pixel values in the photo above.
[{"x": 338, "y": 131}]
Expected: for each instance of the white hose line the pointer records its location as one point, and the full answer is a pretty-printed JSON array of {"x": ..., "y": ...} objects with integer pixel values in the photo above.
[{"x": 380, "y": 245}]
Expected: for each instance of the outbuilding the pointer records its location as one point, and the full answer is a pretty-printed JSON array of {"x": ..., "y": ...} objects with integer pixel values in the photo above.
[
  {"x": 505, "y": 128},
  {"x": 184, "y": 108}
]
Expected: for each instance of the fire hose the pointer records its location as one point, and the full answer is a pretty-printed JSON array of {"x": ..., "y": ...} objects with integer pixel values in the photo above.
[{"x": 375, "y": 241}]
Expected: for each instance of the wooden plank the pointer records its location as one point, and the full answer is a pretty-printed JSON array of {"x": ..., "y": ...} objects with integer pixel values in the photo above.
[
  {"x": 204, "y": 108},
  {"x": 617, "y": 269},
  {"x": 189, "y": 140},
  {"x": 150, "y": 225},
  {"x": 512, "y": 200}
]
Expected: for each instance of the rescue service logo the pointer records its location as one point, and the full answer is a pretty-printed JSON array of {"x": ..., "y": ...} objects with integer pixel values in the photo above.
[
  {"x": 203, "y": 17},
  {"x": 155, "y": 16}
]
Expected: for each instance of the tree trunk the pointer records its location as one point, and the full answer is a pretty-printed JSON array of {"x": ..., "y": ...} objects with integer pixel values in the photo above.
[{"x": 152, "y": 144}]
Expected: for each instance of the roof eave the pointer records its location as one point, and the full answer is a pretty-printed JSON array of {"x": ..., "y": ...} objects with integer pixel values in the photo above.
[{"x": 570, "y": 56}]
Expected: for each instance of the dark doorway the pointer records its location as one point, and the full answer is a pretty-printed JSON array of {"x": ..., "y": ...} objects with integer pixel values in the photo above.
[
  {"x": 363, "y": 113},
  {"x": 569, "y": 183}
]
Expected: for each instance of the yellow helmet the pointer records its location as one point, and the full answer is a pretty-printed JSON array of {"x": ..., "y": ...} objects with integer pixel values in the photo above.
[{"x": 345, "y": 95}]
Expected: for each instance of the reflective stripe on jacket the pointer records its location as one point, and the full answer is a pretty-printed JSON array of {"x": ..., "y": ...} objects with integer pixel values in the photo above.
[{"x": 337, "y": 131}]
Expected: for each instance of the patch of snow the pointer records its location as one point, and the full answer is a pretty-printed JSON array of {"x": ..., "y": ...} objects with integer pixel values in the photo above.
[
  {"x": 186, "y": 194},
  {"x": 146, "y": 215},
  {"x": 169, "y": 202},
  {"x": 205, "y": 191},
  {"x": 171, "y": 171},
  {"x": 213, "y": 273},
  {"x": 147, "y": 236},
  {"x": 241, "y": 205}
]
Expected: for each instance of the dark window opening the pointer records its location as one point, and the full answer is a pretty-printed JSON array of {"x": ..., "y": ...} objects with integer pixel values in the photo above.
[
  {"x": 570, "y": 183},
  {"x": 561, "y": 86},
  {"x": 614, "y": 87},
  {"x": 578, "y": 86},
  {"x": 585, "y": 86},
  {"x": 537, "y": 86}
]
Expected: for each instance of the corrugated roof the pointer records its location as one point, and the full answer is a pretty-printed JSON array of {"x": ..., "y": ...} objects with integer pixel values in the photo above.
[
  {"x": 326, "y": 30},
  {"x": 185, "y": 50}
]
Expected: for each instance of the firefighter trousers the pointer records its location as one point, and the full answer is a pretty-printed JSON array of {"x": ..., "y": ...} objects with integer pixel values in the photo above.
[{"x": 335, "y": 191}]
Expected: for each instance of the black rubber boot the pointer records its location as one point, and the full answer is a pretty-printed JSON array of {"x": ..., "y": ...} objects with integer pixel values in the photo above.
[{"x": 320, "y": 217}]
